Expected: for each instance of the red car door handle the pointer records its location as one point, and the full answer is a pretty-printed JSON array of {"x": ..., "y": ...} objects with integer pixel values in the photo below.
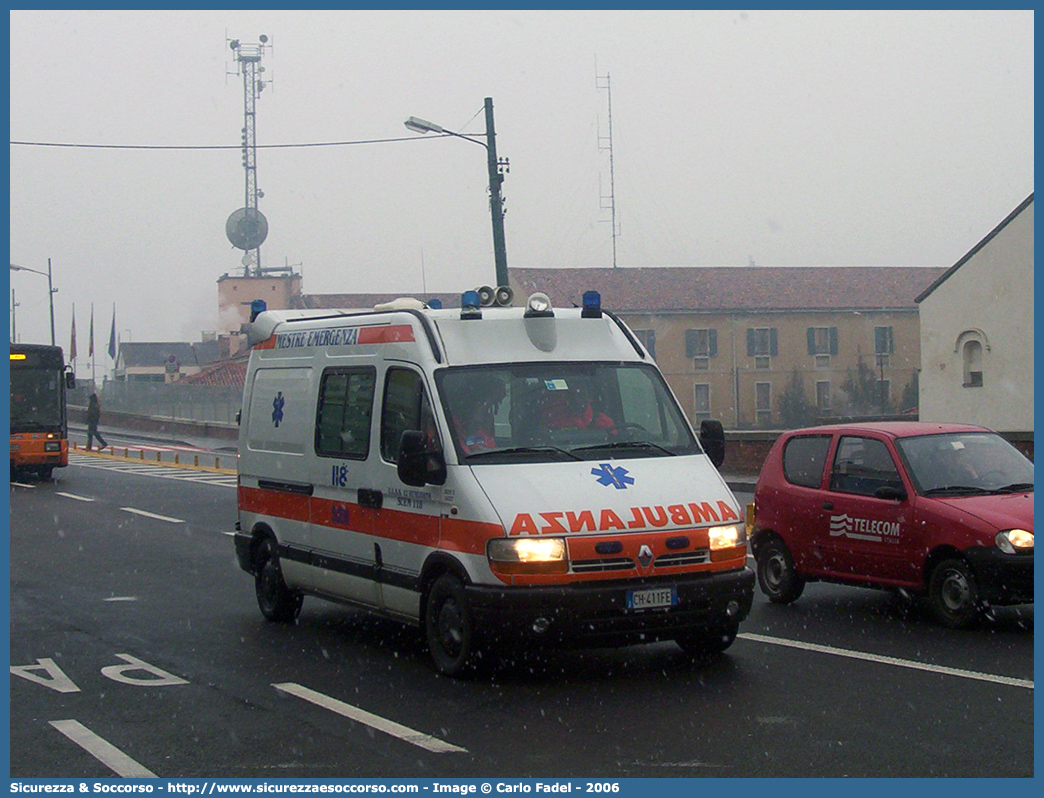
[{"x": 828, "y": 505}]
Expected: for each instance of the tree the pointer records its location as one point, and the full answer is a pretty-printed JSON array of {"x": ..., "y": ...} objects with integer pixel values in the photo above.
[
  {"x": 794, "y": 408},
  {"x": 911, "y": 395},
  {"x": 861, "y": 392}
]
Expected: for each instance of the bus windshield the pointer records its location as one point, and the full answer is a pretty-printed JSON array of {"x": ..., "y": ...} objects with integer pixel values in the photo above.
[
  {"x": 36, "y": 399},
  {"x": 546, "y": 412}
]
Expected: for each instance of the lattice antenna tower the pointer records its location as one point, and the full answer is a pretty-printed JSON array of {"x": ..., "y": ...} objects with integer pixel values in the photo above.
[
  {"x": 608, "y": 202},
  {"x": 247, "y": 228}
]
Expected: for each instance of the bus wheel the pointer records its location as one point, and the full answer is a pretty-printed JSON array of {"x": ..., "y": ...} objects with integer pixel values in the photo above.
[
  {"x": 449, "y": 627},
  {"x": 45, "y": 472},
  {"x": 276, "y": 600}
]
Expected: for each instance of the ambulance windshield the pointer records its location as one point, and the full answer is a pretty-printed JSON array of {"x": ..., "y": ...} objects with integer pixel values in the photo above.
[{"x": 545, "y": 412}]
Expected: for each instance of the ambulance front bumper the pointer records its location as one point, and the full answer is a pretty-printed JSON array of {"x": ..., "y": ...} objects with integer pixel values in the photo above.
[{"x": 598, "y": 614}]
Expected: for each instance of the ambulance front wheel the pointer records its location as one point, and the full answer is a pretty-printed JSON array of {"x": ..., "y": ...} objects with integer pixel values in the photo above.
[
  {"x": 709, "y": 643},
  {"x": 450, "y": 627},
  {"x": 276, "y": 600}
]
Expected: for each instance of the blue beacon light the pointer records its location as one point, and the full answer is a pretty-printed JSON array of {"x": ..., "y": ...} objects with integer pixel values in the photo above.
[
  {"x": 470, "y": 305},
  {"x": 592, "y": 305}
]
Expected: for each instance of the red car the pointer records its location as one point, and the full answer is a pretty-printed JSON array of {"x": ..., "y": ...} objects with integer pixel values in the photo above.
[{"x": 943, "y": 510}]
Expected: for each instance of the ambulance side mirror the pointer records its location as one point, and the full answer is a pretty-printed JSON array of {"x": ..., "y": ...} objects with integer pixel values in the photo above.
[
  {"x": 712, "y": 439},
  {"x": 418, "y": 464}
]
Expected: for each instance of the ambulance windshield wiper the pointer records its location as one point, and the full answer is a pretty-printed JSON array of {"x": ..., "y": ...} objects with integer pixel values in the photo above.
[
  {"x": 493, "y": 453},
  {"x": 624, "y": 445}
]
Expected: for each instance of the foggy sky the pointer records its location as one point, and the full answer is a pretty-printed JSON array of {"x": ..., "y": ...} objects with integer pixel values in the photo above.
[{"x": 790, "y": 138}]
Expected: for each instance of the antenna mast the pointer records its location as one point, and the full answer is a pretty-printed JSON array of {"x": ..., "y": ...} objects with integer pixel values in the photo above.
[
  {"x": 247, "y": 228},
  {"x": 606, "y": 143}
]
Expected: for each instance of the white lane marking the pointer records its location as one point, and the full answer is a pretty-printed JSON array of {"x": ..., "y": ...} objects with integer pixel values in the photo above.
[
  {"x": 152, "y": 515},
  {"x": 122, "y": 598},
  {"x": 408, "y": 735},
  {"x": 21, "y": 484},
  {"x": 900, "y": 663},
  {"x": 160, "y": 471},
  {"x": 102, "y": 750},
  {"x": 73, "y": 496}
]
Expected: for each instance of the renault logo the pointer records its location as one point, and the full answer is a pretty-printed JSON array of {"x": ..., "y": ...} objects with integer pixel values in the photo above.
[{"x": 645, "y": 556}]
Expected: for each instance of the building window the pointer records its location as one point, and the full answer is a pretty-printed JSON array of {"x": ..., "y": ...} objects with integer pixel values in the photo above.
[
  {"x": 763, "y": 402},
  {"x": 701, "y": 345},
  {"x": 762, "y": 342},
  {"x": 648, "y": 339},
  {"x": 884, "y": 343},
  {"x": 822, "y": 340},
  {"x": 972, "y": 352},
  {"x": 823, "y": 397},
  {"x": 701, "y": 408}
]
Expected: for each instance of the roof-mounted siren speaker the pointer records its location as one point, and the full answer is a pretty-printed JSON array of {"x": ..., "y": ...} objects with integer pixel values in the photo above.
[
  {"x": 504, "y": 296},
  {"x": 486, "y": 295}
]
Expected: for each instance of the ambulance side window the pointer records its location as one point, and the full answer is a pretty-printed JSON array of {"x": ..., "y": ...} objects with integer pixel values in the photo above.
[
  {"x": 406, "y": 407},
  {"x": 345, "y": 409}
]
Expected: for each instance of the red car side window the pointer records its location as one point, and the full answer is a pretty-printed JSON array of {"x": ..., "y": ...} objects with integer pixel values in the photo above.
[
  {"x": 803, "y": 459},
  {"x": 863, "y": 466}
]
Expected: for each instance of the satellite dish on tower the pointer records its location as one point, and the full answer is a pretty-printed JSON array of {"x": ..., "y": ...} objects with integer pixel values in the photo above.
[{"x": 246, "y": 228}]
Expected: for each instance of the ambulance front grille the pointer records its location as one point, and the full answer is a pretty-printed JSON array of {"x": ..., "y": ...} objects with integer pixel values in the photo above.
[
  {"x": 694, "y": 557},
  {"x": 605, "y": 564}
]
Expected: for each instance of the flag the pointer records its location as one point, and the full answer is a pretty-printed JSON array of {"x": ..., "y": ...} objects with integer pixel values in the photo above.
[
  {"x": 112, "y": 334},
  {"x": 90, "y": 346},
  {"x": 72, "y": 337}
]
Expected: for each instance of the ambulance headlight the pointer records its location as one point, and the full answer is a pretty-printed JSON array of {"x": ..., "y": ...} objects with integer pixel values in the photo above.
[
  {"x": 527, "y": 555},
  {"x": 1015, "y": 541},
  {"x": 727, "y": 542}
]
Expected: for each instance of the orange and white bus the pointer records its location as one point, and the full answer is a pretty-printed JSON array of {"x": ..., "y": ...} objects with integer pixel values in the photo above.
[{"x": 39, "y": 426}]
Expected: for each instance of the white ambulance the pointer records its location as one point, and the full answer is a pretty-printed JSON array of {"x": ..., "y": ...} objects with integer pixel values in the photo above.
[{"x": 495, "y": 475}]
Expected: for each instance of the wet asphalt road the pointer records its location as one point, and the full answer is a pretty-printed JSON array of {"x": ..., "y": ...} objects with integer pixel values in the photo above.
[{"x": 131, "y": 619}]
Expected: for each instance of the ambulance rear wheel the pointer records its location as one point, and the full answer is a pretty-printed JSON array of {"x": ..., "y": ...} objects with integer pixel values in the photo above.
[
  {"x": 450, "y": 627},
  {"x": 276, "y": 601}
]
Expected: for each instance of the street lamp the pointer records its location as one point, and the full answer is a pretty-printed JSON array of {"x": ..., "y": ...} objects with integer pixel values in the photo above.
[
  {"x": 496, "y": 177},
  {"x": 51, "y": 290}
]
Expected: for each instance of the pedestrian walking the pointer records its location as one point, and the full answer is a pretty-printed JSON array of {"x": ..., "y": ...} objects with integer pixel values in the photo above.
[{"x": 93, "y": 417}]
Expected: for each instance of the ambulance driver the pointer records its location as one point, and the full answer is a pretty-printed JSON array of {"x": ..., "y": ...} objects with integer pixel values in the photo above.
[{"x": 475, "y": 401}]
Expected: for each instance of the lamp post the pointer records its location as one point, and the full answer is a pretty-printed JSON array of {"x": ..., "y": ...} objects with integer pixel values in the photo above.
[
  {"x": 496, "y": 177},
  {"x": 51, "y": 290}
]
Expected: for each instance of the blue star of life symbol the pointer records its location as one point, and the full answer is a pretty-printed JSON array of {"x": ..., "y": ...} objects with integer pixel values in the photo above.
[
  {"x": 617, "y": 477},
  {"x": 277, "y": 408}
]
